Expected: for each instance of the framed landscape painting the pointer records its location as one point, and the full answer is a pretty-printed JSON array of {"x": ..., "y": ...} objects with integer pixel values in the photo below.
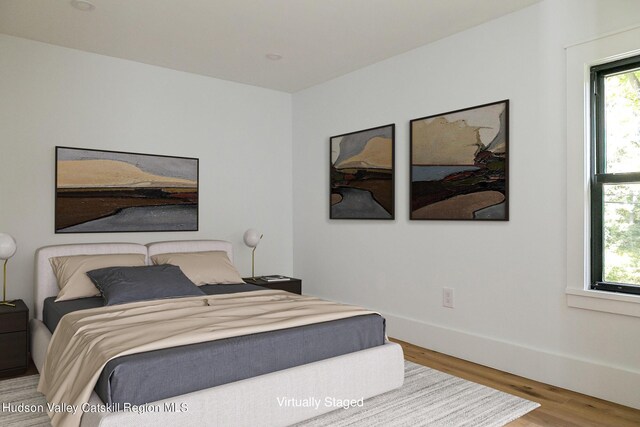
[
  {"x": 459, "y": 164},
  {"x": 101, "y": 191},
  {"x": 362, "y": 174}
]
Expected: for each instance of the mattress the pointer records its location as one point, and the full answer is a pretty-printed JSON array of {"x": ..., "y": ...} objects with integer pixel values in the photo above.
[{"x": 147, "y": 377}]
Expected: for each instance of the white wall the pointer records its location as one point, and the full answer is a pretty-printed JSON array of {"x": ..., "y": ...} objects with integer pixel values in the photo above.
[
  {"x": 509, "y": 277},
  {"x": 56, "y": 96}
]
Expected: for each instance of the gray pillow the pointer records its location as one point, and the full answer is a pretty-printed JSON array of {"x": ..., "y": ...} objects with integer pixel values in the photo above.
[{"x": 120, "y": 285}]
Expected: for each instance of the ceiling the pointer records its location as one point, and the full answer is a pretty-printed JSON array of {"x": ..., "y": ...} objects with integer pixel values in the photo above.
[{"x": 229, "y": 39}]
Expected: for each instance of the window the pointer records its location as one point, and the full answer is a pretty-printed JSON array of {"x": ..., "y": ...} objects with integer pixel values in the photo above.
[
  {"x": 615, "y": 176},
  {"x": 581, "y": 59}
]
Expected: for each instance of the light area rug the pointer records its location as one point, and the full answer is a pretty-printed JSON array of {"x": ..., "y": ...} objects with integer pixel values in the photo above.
[
  {"x": 22, "y": 390},
  {"x": 431, "y": 398},
  {"x": 427, "y": 398}
]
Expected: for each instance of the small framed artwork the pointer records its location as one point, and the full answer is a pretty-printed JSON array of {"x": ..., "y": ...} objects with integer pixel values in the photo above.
[
  {"x": 100, "y": 191},
  {"x": 362, "y": 174},
  {"x": 460, "y": 164}
]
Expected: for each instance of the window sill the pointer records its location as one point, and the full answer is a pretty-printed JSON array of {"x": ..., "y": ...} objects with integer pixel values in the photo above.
[{"x": 609, "y": 302}]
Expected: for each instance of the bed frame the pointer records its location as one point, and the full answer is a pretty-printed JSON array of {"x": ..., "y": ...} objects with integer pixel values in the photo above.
[{"x": 250, "y": 402}]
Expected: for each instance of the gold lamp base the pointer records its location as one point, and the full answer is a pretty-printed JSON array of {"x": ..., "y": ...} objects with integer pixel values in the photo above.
[
  {"x": 4, "y": 288},
  {"x": 253, "y": 262}
]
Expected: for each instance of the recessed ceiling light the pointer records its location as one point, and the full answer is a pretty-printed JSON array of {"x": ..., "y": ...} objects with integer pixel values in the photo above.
[
  {"x": 273, "y": 56},
  {"x": 82, "y": 5}
]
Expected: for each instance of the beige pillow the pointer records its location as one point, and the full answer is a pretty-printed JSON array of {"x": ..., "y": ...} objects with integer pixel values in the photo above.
[
  {"x": 202, "y": 268},
  {"x": 70, "y": 271}
]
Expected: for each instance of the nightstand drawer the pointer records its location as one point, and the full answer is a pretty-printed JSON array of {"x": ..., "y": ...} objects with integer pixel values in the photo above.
[
  {"x": 14, "y": 351},
  {"x": 13, "y": 322},
  {"x": 292, "y": 285}
]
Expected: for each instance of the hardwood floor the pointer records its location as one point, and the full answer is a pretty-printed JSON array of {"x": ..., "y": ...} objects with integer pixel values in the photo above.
[{"x": 559, "y": 407}]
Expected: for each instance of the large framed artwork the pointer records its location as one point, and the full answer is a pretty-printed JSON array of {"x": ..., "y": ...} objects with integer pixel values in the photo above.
[
  {"x": 362, "y": 174},
  {"x": 460, "y": 164},
  {"x": 100, "y": 191}
]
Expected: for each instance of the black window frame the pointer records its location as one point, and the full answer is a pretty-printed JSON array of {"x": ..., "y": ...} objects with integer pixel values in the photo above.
[{"x": 598, "y": 175}]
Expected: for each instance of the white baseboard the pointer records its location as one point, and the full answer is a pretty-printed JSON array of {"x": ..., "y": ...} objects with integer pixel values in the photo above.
[{"x": 611, "y": 383}]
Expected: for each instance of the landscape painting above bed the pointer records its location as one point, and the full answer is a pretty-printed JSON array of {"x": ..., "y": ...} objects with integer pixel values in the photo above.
[
  {"x": 100, "y": 191},
  {"x": 361, "y": 174},
  {"x": 459, "y": 164}
]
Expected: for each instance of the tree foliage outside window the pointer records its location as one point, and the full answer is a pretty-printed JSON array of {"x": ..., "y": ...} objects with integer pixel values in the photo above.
[{"x": 616, "y": 178}]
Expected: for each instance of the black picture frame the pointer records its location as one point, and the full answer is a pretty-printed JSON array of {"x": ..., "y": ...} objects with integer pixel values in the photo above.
[
  {"x": 362, "y": 181},
  {"x": 103, "y": 191},
  {"x": 460, "y": 191}
]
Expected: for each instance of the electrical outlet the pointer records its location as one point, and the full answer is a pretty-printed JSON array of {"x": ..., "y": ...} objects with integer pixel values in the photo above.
[{"x": 447, "y": 297}]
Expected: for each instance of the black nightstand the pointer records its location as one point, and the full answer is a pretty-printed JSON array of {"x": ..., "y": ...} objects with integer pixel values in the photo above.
[
  {"x": 14, "y": 340},
  {"x": 291, "y": 285}
]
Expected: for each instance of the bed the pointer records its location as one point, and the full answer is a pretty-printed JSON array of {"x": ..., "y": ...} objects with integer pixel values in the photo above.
[{"x": 249, "y": 397}]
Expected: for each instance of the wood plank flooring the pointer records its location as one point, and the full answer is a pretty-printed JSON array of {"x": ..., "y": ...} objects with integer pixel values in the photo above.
[{"x": 559, "y": 407}]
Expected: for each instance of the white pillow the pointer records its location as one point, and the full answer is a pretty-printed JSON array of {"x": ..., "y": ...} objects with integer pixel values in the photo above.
[
  {"x": 202, "y": 268},
  {"x": 71, "y": 272}
]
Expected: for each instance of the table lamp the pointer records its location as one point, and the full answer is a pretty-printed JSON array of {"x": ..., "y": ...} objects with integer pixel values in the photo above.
[
  {"x": 7, "y": 249},
  {"x": 251, "y": 238}
]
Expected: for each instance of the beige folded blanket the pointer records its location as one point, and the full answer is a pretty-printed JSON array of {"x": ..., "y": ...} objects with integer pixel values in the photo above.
[{"x": 84, "y": 341}]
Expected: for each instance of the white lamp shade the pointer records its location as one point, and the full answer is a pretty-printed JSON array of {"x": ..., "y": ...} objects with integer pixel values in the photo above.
[
  {"x": 7, "y": 246},
  {"x": 252, "y": 237}
]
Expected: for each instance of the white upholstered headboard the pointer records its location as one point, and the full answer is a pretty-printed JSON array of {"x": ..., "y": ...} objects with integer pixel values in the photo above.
[{"x": 47, "y": 286}]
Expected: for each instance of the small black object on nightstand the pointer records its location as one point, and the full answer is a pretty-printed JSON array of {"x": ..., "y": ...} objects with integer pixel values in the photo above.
[
  {"x": 14, "y": 338},
  {"x": 290, "y": 284}
]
